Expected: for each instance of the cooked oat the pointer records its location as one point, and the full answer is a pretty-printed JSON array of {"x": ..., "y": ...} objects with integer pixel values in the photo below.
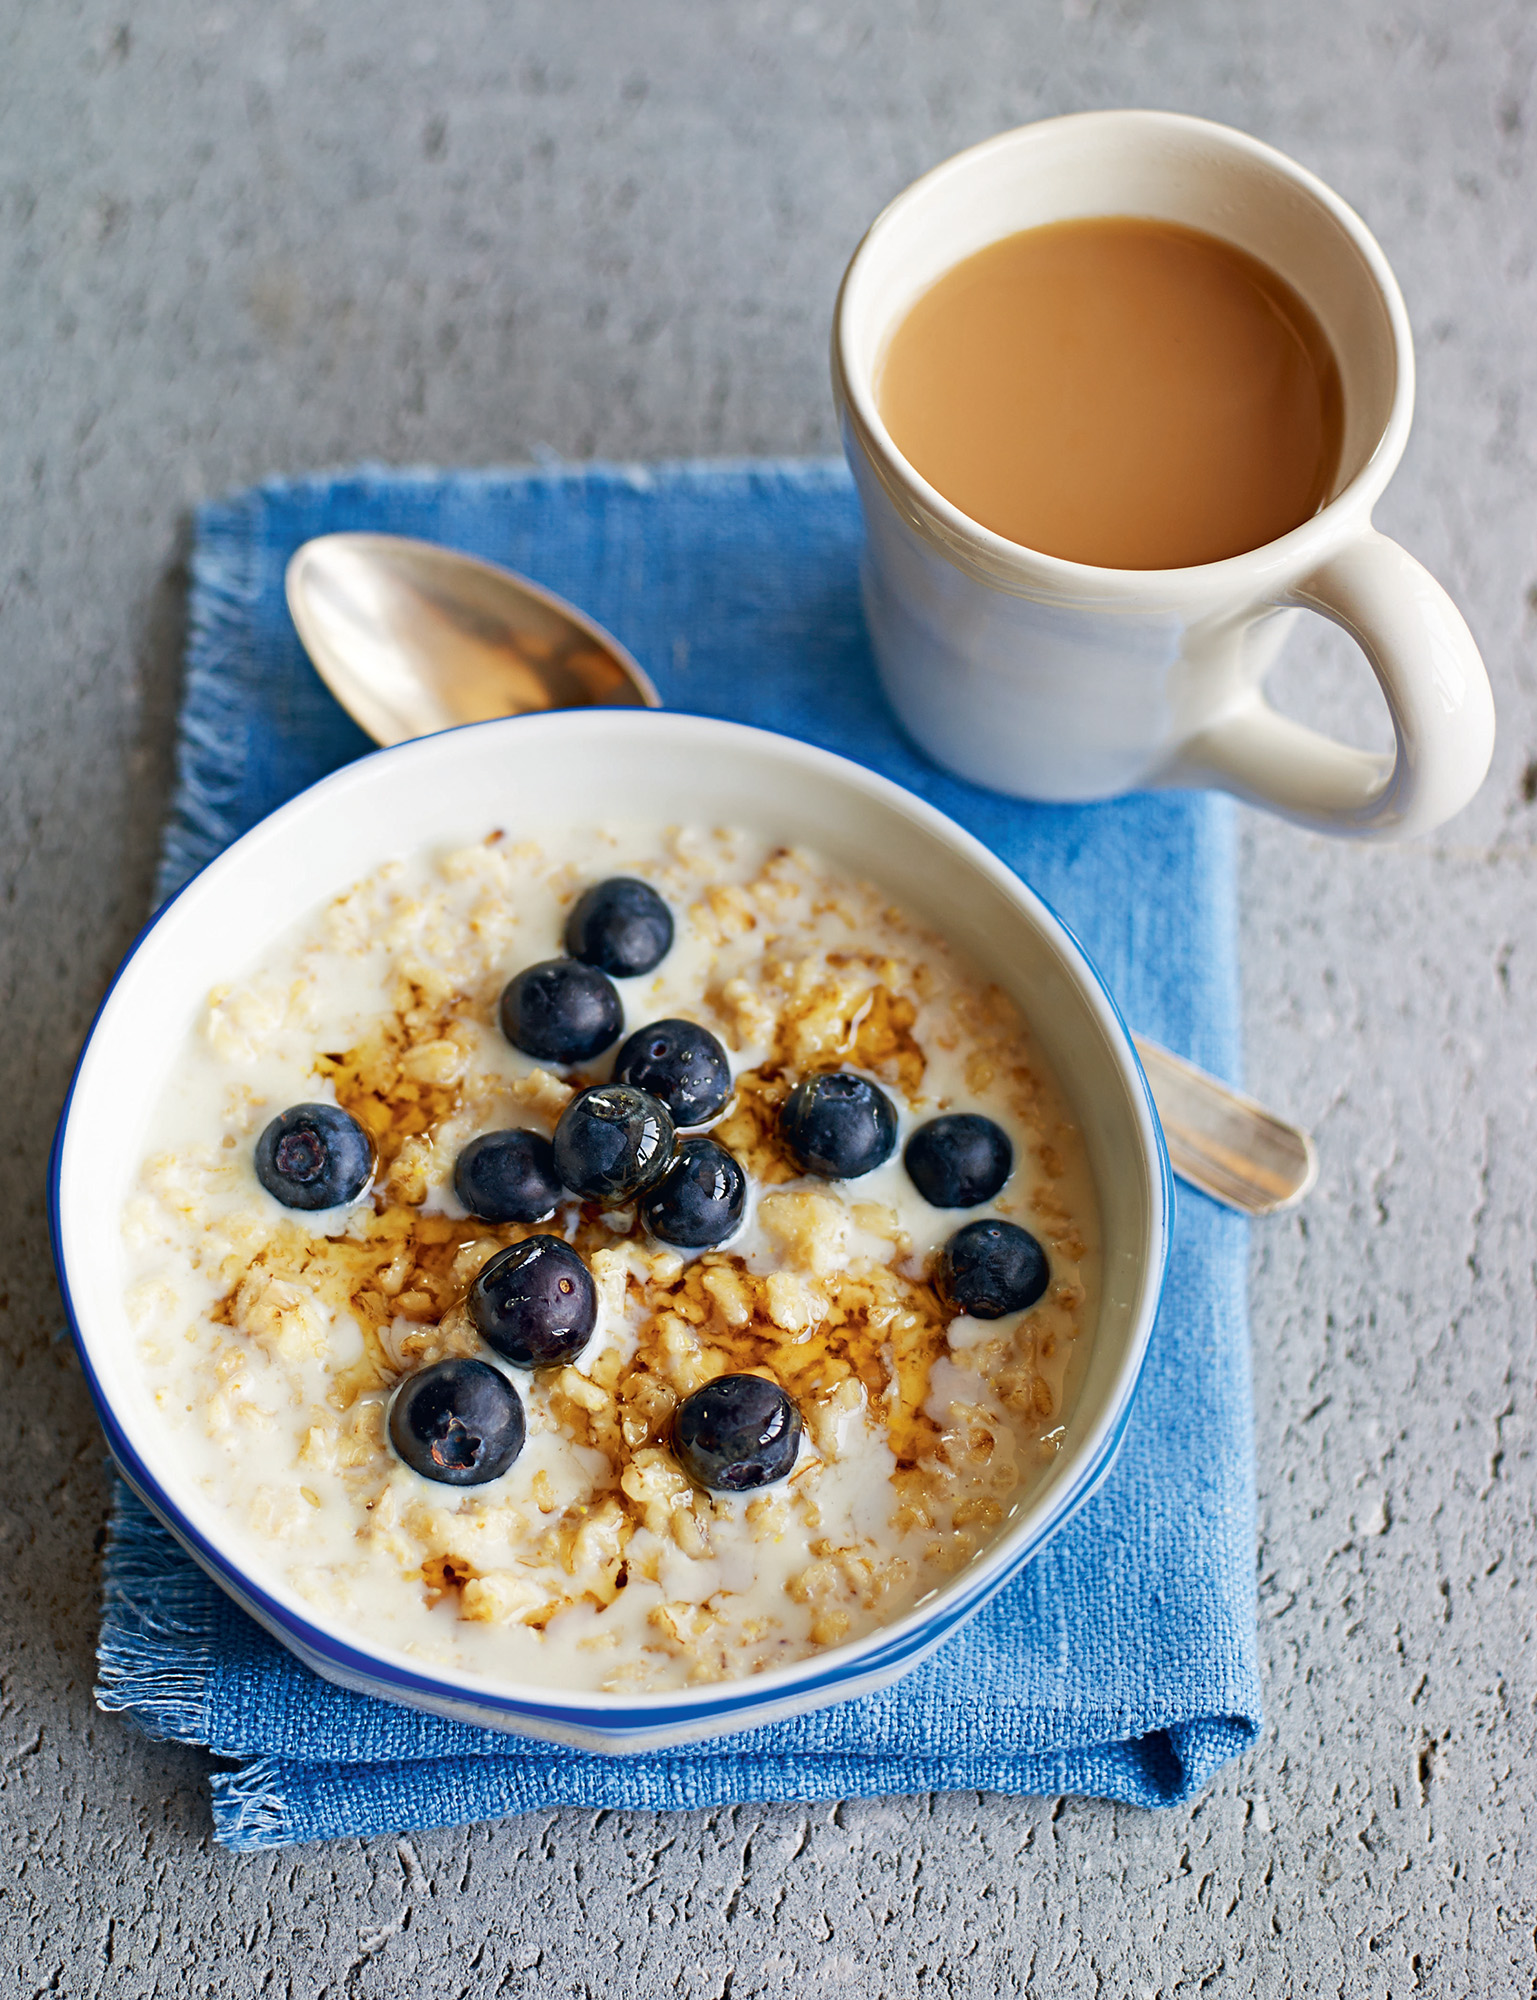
[{"x": 272, "y": 1340}]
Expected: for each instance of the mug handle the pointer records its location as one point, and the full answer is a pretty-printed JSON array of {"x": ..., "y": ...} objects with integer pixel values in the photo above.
[{"x": 1437, "y": 693}]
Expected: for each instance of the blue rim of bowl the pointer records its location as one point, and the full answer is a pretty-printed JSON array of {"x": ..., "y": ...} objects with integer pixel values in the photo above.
[{"x": 734, "y": 1702}]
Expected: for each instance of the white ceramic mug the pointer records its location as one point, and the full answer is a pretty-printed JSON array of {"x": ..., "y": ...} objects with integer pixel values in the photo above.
[{"x": 1058, "y": 680}]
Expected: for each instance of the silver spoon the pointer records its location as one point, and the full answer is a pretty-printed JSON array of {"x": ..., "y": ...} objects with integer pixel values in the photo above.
[
  {"x": 412, "y": 638},
  {"x": 1224, "y": 1143}
]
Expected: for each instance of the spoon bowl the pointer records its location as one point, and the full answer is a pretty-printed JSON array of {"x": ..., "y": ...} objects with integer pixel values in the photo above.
[{"x": 412, "y": 638}]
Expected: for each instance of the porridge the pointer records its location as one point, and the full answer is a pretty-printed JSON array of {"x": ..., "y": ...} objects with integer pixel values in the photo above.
[{"x": 647, "y": 1261}]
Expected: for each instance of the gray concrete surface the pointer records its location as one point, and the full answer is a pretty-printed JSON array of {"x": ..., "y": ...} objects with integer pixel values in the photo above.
[{"x": 239, "y": 239}]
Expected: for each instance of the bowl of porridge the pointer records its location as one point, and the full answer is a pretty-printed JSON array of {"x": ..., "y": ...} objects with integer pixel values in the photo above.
[{"x": 616, "y": 1227}]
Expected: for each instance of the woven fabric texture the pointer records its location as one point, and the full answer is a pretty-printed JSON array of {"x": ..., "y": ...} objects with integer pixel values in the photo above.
[{"x": 1122, "y": 1662}]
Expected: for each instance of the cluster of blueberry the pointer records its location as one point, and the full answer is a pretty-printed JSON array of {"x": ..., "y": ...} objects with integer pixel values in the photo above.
[
  {"x": 618, "y": 1142},
  {"x": 461, "y": 1421}
]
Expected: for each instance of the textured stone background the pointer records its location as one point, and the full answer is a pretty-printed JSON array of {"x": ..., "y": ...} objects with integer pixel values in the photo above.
[{"x": 241, "y": 239}]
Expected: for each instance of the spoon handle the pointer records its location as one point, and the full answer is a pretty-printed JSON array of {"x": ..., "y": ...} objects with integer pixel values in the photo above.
[{"x": 1223, "y": 1142}]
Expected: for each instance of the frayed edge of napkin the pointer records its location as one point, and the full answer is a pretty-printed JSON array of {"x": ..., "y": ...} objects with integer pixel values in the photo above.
[
  {"x": 210, "y": 755},
  {"x": 250, "y": 1805},
  {"x": 159, "y": 1630}
]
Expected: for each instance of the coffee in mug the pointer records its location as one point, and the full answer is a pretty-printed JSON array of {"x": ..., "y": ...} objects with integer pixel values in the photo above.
[
  {"x": 1118, "y": 390},
  {"x": 1118, "y": 636}
]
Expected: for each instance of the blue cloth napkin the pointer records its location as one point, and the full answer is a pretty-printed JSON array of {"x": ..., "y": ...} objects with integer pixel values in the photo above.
[{"x": 1122, "y": 1662}]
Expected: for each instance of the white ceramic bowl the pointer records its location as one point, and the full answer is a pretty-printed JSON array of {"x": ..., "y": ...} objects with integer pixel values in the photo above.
[{"x": 532, "y": 776}]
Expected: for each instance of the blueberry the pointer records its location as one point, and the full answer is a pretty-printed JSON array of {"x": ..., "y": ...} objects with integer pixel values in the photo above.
[
  {"x": 736, "y": 1433},
  {"x": 960, "y": 1161},
  {"x": 508, "y": 1177},
  {"x": 991, "y": 1268},
  {"x": 314, "y": 1156},
  {"x": 612, "y": 1143},
  {"x": 682, "y": 1064},
  {"x": 561, "y": 1011},
  {"x": 699, "y": 1201},
  {"x": 621, "y": 926},
  {"x": 535, "y": 1303},
  {"x": 838, "y": 1125},
  {"x": 459, "y": 1422}
]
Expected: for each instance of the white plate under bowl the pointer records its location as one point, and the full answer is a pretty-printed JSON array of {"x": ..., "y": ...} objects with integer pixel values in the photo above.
[{"x": 533, "y": 776}]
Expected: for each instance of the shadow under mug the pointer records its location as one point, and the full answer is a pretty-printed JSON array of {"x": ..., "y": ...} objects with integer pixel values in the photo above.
[{"x": 1057, "y": 680}]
